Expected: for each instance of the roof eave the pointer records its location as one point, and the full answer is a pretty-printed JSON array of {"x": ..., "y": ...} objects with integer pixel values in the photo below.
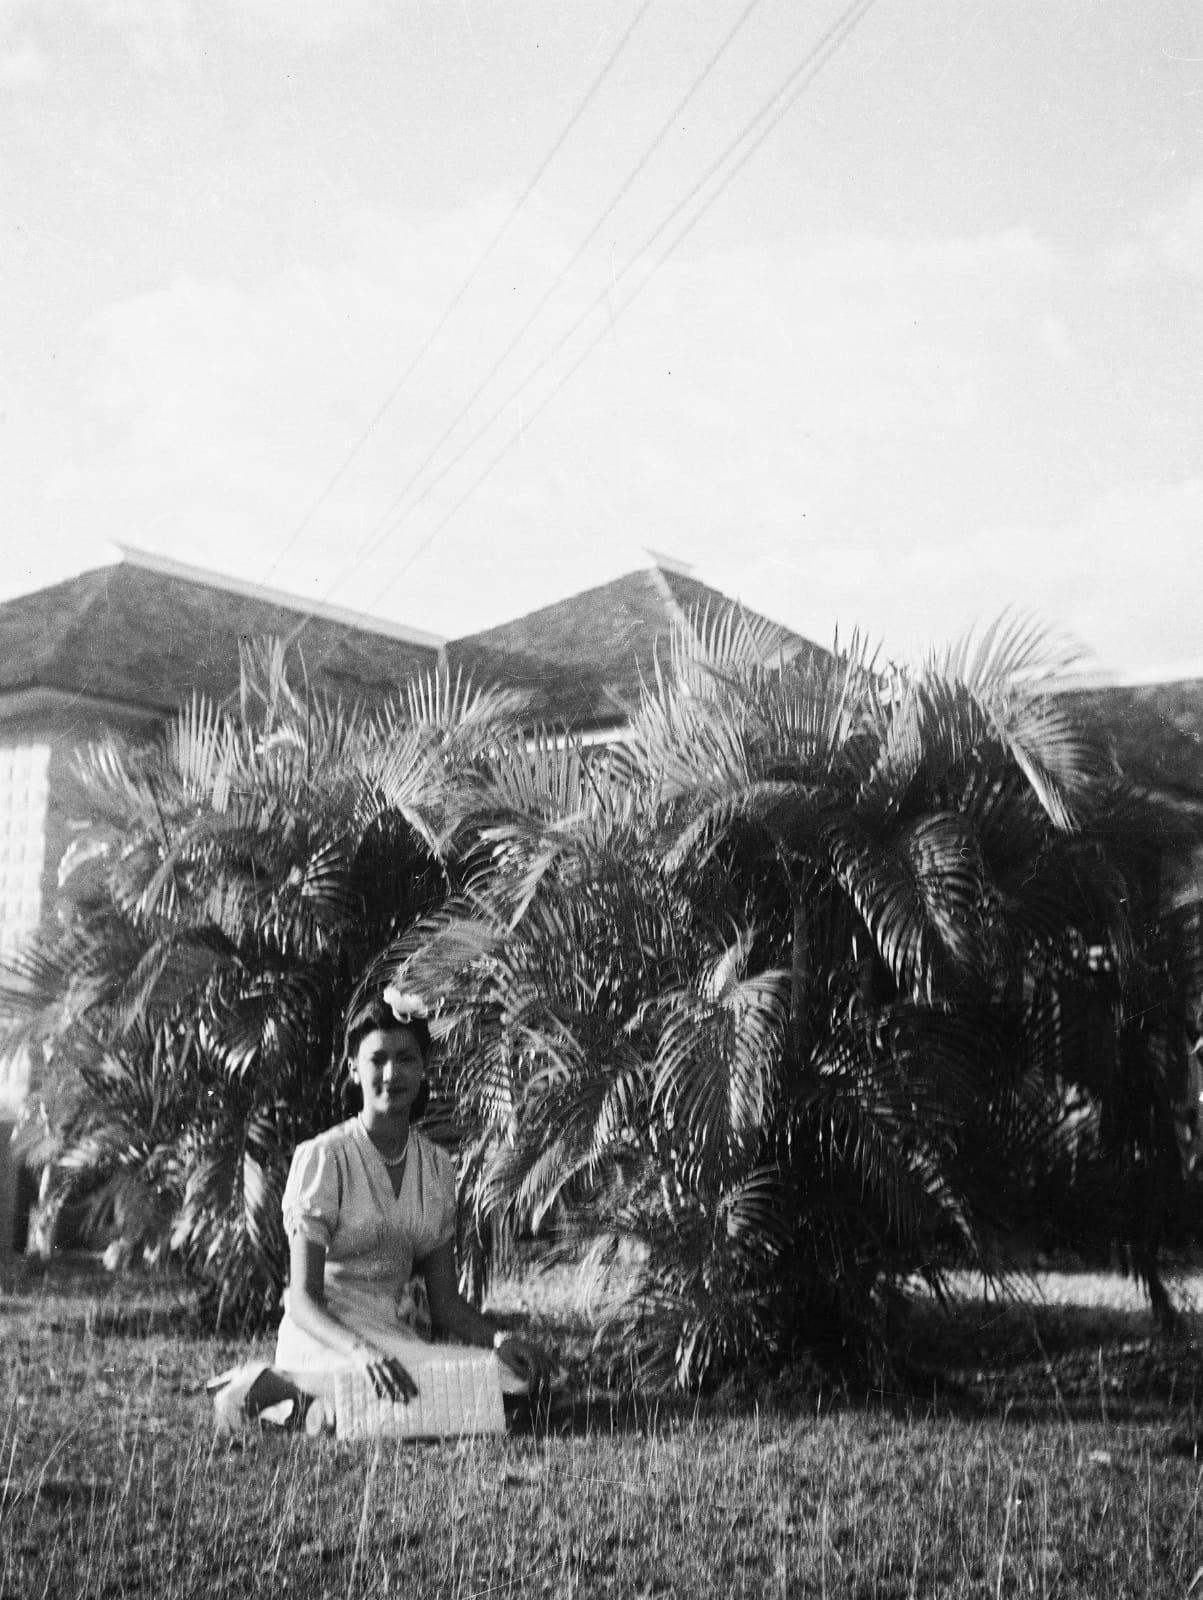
[{"x": 360, "y": 621}]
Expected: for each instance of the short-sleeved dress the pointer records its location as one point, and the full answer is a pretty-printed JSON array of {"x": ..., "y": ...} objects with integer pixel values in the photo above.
[{"x": 339, "y": 1195}]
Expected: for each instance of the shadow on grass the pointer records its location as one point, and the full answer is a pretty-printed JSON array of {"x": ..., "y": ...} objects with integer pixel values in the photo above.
[
  {"x": 73, "y": 1293},
  {"x": 58, "y": 1492},
  {"x": 1030, "y": 1361},
  {"x": 145, "y": 1322},
  {"x": 593, "y": 1412},
  {"x": 974, "y": 1359},
  {"x": 1037, "y": 1362}
]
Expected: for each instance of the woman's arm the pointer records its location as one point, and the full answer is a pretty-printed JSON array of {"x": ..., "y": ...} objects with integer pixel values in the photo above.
[
  {"x": 307, "y": 1308},
  {"x": 454, "y": 1317}
]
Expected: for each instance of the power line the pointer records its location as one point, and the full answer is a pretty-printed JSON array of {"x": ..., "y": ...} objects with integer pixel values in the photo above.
[
  {"x": 381, "y": 525},
  {"x": 458, "y": 297},
  {"x": 788, "y": 93},
  {"x": 816, "y": 60},
  {"x": 770, "y": 114}
]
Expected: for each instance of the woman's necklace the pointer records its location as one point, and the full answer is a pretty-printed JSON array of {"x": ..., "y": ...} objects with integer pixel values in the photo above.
[{"x": 391, "y": 1162}]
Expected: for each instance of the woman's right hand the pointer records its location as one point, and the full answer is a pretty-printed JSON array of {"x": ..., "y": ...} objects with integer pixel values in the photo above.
[{"x": 387, "y": 1376}]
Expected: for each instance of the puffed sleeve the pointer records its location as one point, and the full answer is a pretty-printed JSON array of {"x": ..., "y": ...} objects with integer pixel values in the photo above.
[{"x": 313, "y": 1193}]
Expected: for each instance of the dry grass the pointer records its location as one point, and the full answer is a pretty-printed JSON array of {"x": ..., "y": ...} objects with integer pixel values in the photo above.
[{"x": 1055, "y": 1458}]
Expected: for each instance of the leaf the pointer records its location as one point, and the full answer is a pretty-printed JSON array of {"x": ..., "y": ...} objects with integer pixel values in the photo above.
[
  {"x": 171, "y": 970},
  {"x": 201, "y": 748},
  {"x": 921, "y": 896},
  {"x": 717, "y": 1058},
  {"x": 455, "y": 707}
]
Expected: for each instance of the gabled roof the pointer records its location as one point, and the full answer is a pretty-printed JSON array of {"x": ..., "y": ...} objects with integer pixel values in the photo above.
[
  {"x": 146, "y": 632},
  {"x": 583, "y": 659},
  {"x": 1158, "y": 732}
]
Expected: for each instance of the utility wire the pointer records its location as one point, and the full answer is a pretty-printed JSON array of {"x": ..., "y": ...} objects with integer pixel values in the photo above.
[
  {"x": 773, "y": 110},
  {"x": 815, "y": 61},
  {"x": 458, "y": 297},
  {"x": 778, "y": 104},
  {"x": 666, "y": 127}
]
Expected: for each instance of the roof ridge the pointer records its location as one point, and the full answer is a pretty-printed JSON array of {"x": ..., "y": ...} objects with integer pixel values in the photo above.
[
  {"x": 126, "y": 632},
  {"x": 703, "y": 608},
  {"x": 168, "y": 567},
  {"x": 665, "y": 590}
]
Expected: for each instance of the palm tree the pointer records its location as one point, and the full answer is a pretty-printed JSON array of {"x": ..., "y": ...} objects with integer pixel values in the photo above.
[
  {"x": 237, "y": 874},
  {"x": 793, "y": 988}
]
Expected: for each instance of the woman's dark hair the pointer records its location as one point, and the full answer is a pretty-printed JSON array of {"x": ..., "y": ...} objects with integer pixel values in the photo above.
[{"x": 377, "y": 1013}]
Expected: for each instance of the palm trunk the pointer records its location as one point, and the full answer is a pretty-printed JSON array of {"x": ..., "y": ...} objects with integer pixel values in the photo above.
[{"x": 799, "y": 983}]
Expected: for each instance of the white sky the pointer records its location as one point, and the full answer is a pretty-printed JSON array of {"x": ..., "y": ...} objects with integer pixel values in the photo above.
[{"x": 935, "y": 351}]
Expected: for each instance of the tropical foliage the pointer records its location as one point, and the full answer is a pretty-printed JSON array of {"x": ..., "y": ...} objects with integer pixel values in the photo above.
[
  {"x": 822, "y": 978},
  {"x": 236, "y": 876}
]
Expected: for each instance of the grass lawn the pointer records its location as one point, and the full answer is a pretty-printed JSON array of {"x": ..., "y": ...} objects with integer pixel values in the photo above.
[{"x": 1053, "y": 1456}]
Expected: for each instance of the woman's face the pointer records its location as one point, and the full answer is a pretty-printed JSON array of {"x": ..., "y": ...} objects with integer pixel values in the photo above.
[{"x": 389, "y": 1068}]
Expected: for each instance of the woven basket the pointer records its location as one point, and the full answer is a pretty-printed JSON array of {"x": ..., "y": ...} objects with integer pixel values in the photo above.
[{"x": 458, "y": 1396}]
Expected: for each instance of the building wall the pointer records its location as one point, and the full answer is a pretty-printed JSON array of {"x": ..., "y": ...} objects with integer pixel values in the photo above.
[
  {"x": 24, "y": 800},
  {"x": 41, "y": 808}
]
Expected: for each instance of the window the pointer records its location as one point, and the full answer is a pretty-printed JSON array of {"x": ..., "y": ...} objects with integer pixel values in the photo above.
[{"x": 24, "y": 791}]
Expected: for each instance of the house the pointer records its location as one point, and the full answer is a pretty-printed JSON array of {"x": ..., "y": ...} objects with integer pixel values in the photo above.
[
  {"x": 119, "y": 647},
  {"x": 116, "y": 649},
  {"x": 583, "y": 660}
]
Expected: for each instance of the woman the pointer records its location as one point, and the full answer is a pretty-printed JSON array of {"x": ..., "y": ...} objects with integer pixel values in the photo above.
[{"x": 367, "y": 1203}]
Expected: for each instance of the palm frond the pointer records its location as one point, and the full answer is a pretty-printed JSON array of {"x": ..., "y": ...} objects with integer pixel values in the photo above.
[
  {"x": 1015, "y": 650},
  {"x": 200, "y": 748},
  {"x": 453, "y": 706},
  {"x": 725, "y": 643},
  {"x": 922, "y": 898},
  {"x": 171, "y": 970},
  {"x": 717, "y": 1059}
]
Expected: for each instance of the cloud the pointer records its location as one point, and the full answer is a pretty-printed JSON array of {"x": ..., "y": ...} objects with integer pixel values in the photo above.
[
  {"x": 757, "y": 381},
  {"x": 1167, "y": 239},
  {"x": 157, "y": 32},
  {"x": 232, "y": 402},
  {"x": 311, "y": 21},
  {"x": 162, "y": 33},
  {"x": 740, "y": 389},
  {"x": 1122, "y": 580},
  {"x": 1056, "y": 338},
  {"x": 1176, "y": 236},
  {"x": 22, "y": 65},
  {"x": 1126, "y": 577}
]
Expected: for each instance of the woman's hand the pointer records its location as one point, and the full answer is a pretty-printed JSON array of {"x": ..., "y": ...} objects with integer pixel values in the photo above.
[
  {"x": 528, "y": 1360},
  {"x": 387, "y": 1376},
  {"x": 455, "y": 1319}
]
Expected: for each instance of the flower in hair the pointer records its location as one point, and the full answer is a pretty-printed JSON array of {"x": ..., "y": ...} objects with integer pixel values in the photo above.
[{"x": 405, "y": 1007}]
